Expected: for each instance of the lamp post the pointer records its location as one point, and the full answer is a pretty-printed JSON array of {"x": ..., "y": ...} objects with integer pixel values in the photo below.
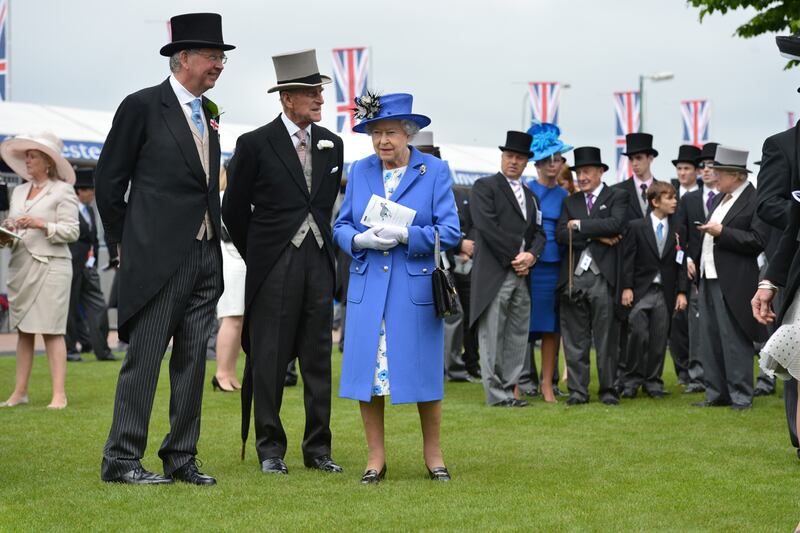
[{"x": 659, "y": 76}]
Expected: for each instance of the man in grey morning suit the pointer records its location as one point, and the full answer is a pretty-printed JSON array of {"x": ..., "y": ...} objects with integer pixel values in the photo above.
[
  {"x": 596, "y": 217},
  {"x": 509, "y": 240},
  {"x": 164, "y": 144}
]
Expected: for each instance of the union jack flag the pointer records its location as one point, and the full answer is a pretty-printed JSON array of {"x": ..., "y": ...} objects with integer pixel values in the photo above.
[
  {"x": 696, "y": 119},
  {"x": 792, "y": 119},
  {"x": 350, "y": 76},
  {"x": 545, "y": 96},
  {"x": 626, "y": 107},
  {"x": 3, "y": 49}
]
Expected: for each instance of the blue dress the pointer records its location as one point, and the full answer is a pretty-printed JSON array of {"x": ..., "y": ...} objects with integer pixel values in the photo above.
[{"x": 544, "y": 276}]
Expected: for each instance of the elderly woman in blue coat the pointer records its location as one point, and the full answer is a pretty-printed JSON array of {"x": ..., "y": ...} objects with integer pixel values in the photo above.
[{"x": 395, "y": 343}]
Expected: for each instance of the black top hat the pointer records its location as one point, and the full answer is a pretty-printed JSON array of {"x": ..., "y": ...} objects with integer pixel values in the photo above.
[
  {"x": 708, "y": 153},
  {"x": 687, "y": 153},
  {"x": 84, "y": 178},
  {"x": 638, "y": 143},
  {"x": 519, "y": 142},
  {"x": 588, "y": 156},
  {"x": 195, "y": 30},
  {"x": 789, "y": 46}
]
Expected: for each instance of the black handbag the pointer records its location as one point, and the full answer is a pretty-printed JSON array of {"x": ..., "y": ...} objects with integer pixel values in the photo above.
[{"x": 445, "y": 297}]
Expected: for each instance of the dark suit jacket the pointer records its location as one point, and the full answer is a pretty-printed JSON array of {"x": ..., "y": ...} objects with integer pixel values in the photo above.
[
  {"x": 691, "y": 210},
  {"x": 677, "y": 185},
  {"x": 607, "y": 219},
  {"x": 499, "y": 230},
  {"x": 736, "y": 251},
  {"x": 87, "y": 240},
  {"x": 265, "y": 172},
  {"x": 461, "y": 195},
  {"x": 776, "y": 179},
  {"x": 642, "y": 262},
  {"x": 633, "y": 194},
  {"x": 150, "y": 147}
]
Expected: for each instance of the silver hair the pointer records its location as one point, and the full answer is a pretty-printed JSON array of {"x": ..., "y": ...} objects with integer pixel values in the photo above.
[
  {"x": 409, "y": 126},
  {"x": 175, "y": 60}
]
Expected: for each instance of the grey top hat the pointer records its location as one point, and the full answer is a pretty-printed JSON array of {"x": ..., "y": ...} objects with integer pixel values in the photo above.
[
  {"x": 422, "y": 138},
  {"x": 730, "y": 159},
  {"x": 296, "y": 70}
]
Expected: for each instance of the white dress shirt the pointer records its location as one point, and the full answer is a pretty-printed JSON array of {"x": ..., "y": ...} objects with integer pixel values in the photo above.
[
  {"x": 707, "y": 267},
  {"x": 683, "y": 190},
  {"x": 293, "y": 128},
  {"x": 184, "y": 97}
]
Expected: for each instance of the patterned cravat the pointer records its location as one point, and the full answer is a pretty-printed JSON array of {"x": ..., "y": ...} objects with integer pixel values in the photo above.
[
  {"x": 710, "y": 200},
  {"x": 197, "y": 116},
  {"x": 301, "y": 147},
  {"x": 517, "y": 186},
  {"x": 589, "y": 202}
]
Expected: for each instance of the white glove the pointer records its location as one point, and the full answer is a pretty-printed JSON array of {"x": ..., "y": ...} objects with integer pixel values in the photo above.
[
  {"x": 398, "y": 233},
  {"x": 370, "y": 239}
]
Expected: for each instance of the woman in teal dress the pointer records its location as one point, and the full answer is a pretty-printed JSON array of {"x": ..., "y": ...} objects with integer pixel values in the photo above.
[{"x": 547, "y": 151}]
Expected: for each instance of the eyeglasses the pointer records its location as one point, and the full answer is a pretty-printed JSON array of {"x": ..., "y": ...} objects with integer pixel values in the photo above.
[{"x": 214, "y": 58}]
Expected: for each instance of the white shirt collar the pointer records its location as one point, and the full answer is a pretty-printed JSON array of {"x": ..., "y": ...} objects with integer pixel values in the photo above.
[
  {"x": 595, "y": 193},
  {"x": 655, "y": 221},
  {"x": 684, "y": 190},
  {"x": 738, "y": 192},
  {"x": 183, "y": 95},
  {"x": 293, "y": 128},
  {"x": 638, "y": 182}
]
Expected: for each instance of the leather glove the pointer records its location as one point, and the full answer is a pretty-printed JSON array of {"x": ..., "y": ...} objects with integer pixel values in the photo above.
[
  {"x": 398, "y": 233},
  {"x": 370, "y": 239}
]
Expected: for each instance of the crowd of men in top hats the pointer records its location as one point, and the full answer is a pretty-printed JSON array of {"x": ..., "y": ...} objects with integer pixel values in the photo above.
[{"x": 648, "y": 264}]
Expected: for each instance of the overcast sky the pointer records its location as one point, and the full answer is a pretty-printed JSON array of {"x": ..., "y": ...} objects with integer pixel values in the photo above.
[{"x": 466, "y": 62}]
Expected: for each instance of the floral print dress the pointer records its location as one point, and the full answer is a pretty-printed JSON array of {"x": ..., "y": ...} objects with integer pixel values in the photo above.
[{"x": 380, "y": 383}]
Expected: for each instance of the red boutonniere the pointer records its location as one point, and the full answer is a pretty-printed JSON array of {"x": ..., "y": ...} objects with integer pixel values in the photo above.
[{"x": 215, "y": 115}]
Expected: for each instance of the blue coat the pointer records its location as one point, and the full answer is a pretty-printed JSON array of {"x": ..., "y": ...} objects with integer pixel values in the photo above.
[{"x": 396, "y": 284}]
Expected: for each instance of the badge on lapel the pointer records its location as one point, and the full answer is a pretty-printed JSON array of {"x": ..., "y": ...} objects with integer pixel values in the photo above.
[{"x": 215, "y": 115}]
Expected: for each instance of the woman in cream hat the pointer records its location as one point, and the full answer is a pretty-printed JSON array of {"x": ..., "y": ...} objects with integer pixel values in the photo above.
[{"x": 44, "y": 214}]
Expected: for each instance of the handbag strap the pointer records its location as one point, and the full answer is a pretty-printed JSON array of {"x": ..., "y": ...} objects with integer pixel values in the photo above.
[{"x": 436, "y": 248}]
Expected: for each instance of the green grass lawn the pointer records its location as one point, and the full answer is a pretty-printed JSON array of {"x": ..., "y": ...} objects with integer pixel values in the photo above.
[{"x": 646, "y": 465}]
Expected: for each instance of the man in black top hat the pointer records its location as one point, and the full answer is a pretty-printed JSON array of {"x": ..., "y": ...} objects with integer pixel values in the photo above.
[
  {"x": 290, "y": 171},
  {"x": 86, "y": 296},
  {"x": 509, "y": 239},
  {"x": 679, "y": 344},
  {"x": 591, "y": 221},
  {"x": 164, "y": 144}
]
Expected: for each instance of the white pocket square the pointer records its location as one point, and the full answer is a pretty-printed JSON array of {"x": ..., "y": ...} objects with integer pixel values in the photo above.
[
  {"x": 334, "y": 169},
  {"x": 602, "y": 207}
]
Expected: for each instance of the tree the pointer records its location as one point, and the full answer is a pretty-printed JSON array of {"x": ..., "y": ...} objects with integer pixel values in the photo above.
[{"x": 773, "y": 16}]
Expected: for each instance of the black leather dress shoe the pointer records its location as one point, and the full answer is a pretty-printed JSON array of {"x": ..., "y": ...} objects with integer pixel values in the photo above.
[
  {"x": 610, "y": 400},
  {"x": 741, "y": 406},
  {"x": 715, "y": 403},
  {"x": 530, "y": 393},
  {"x": 108, "y": 356},
  {"x": 658, "y": 394},
  {"x": 572, "y": 400},
  {"x": 373, "y": 477},
  {"x": 74, "y": 357},
  {"x": 694, "y": 388},
  {"x": 628, "y": 393},
  {"x": 558, "y": 393},
  {"x": 140, "y": 476},
  {"x": 439, "y": 473},
  {"x": 763, "y": 392},
  {"x": 189, "y": 473},
  {"x": 324, "y": 463},
  {"x": 274, "y": 465},
  {"x": 519, "y": 403},
  {"x": 290, "y": 382},
  {"x": 504, "y": 403}
]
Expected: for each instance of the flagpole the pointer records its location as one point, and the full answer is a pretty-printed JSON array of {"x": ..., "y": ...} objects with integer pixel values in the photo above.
[{"x": 9, "y": 63}]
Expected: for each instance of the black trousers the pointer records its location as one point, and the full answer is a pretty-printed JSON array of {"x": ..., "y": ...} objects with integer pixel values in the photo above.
[
  {"x": 679, "y": 344},
  {"x": 470, "y": 355},
  {"x": 87, "y": 295},
  {"x": 182, "y": 311},
  {"x": 291, "y": 315}
]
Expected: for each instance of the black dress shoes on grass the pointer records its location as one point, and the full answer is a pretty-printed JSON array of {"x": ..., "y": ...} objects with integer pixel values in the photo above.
[
  {"x": 439, "y": 473},
  {"x": 274, "y": 465},
  {"x": 572, "y": 400},
  {"x": 189, "y": 473},
  {"x": 610, "y": 400},
  {"x": 715, "y": 403},
  {"x": 694, "y": 388},
  {"x": 140, "y": 476},
  {"x": 373, "y": 477},
  {"x": 324, "y": 463}
]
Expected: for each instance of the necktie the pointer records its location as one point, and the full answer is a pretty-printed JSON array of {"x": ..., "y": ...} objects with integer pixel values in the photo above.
[
  {"x": 660, "y": 232},
  {"x": 301, "y": 146},
  {"x": 710, "y": 200},
  {"x": 589, "y": 202},
  {"x": 643, "y": 187},
  {"x": 197, "y": 116},
  {"x": 517, "y": 186},
  {"x": 85, "y": 213}
]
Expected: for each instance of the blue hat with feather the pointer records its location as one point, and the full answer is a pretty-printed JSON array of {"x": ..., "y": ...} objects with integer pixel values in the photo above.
[{"x": 546, "y": 142}]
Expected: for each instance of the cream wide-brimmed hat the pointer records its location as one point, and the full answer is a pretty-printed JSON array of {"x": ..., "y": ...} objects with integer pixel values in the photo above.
[{"x": 12, "y": 151}]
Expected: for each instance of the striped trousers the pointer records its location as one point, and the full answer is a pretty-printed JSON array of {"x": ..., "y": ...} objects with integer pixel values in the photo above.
[{"x": 182, "y": 311}]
